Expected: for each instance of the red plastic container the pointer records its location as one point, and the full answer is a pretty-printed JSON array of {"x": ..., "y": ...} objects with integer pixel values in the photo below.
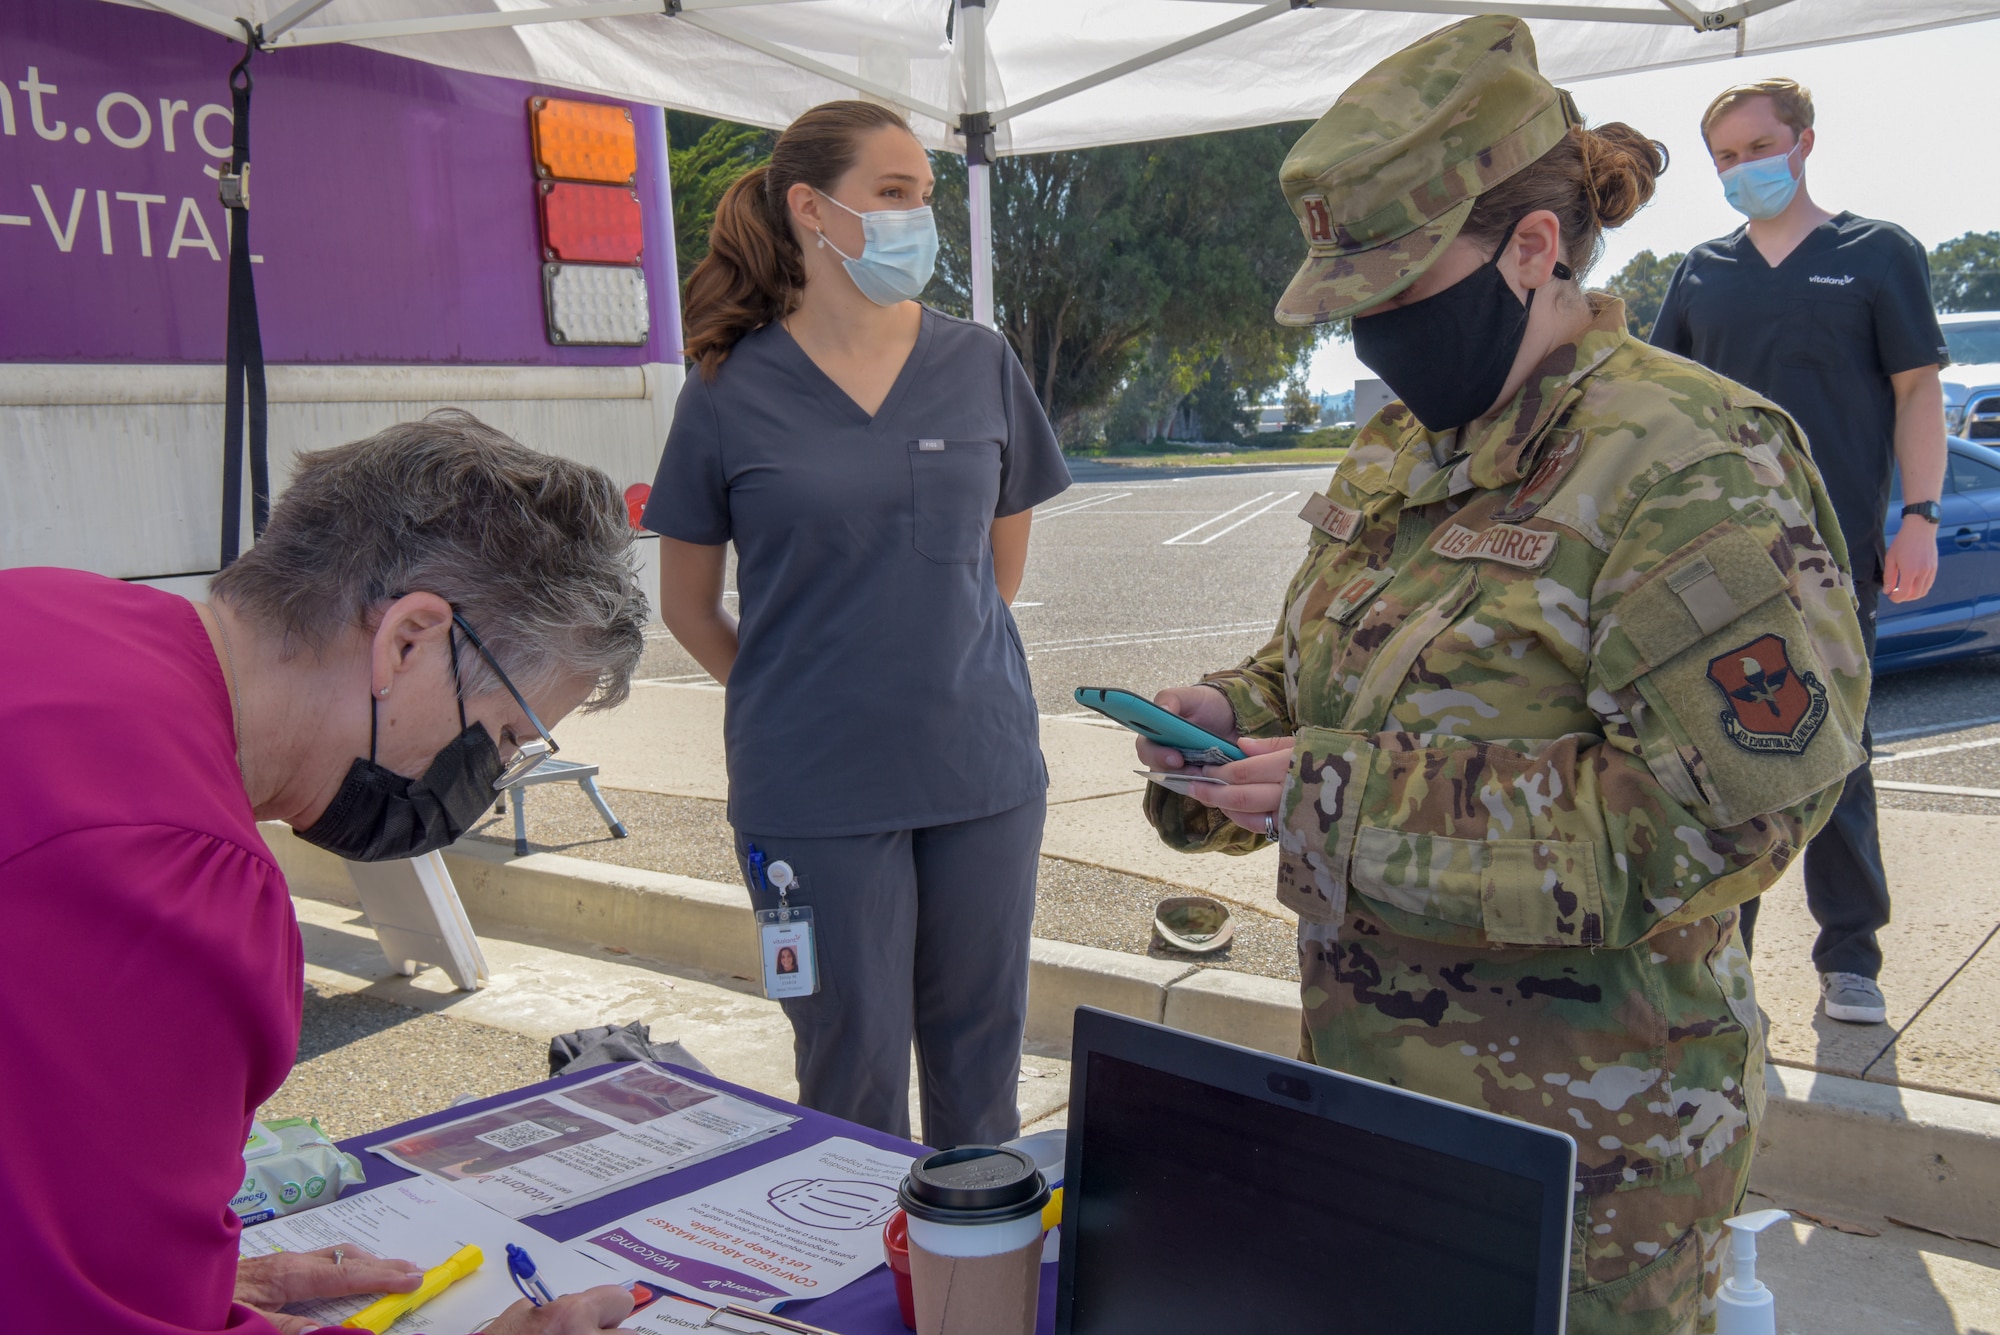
[{"x": 896, "y": 1247}]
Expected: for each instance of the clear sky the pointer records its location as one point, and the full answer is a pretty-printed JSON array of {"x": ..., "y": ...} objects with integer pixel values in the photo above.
[{"x": 1905, "y": 134}]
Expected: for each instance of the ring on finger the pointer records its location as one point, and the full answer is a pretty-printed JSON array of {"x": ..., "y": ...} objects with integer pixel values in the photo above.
[
  {"x": 339, "y": 1255},
  {"x": 1270, "y": 826}
]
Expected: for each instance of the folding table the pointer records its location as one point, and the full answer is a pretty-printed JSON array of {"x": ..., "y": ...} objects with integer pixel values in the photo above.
[{"x": 865, "y": 1307}]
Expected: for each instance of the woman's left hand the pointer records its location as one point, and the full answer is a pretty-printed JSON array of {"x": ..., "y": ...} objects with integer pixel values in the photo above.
[
  {"x": 268, "y": 1283},
  {"x": 1253, "y": 787}
]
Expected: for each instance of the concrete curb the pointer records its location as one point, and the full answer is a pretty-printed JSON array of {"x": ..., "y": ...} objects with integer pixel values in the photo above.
[
  {"x": 1829, "y": 1142},
  {"x": 1840, "y": 1143}
]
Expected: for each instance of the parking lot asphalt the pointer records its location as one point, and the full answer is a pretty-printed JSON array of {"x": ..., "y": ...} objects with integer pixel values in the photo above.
[{"x": 1146, "y": 577}]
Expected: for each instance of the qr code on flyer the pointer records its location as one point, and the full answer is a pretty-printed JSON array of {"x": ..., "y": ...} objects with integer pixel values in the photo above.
[{"x": 518, "y": 1136}]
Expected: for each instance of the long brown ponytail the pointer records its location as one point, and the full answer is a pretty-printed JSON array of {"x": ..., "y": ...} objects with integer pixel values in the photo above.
[{"x": 754, "y": 270}]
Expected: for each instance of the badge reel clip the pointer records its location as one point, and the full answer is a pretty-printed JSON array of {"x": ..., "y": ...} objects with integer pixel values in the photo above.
[{"x": 784, "y": 934}]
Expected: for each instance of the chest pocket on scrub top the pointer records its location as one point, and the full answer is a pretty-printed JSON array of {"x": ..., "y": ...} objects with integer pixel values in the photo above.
[
  {"x": 1820, "y": 333},
  {"x": 954, "y": 487}
]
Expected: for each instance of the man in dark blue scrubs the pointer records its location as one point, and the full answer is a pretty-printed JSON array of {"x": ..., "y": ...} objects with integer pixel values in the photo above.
[{"x": 1829, "y": 316}]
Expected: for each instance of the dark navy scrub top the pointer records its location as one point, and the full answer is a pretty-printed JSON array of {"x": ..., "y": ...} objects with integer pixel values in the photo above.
[
  {"x": 1819, "y": 335},
  {"x": 880, "y": 683}
]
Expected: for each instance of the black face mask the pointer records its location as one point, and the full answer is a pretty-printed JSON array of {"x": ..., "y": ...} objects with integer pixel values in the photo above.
[
  {"x": 378, "y": 815},
  {"x": 1447, "y": 356}
]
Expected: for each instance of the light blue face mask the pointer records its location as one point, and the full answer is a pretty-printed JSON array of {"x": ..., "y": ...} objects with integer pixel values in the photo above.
[
  {"x": 898, "y": 252},
  {"x": 1761, "y": 188}
]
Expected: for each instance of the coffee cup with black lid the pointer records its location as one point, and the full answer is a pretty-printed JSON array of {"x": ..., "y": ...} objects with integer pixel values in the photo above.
[{"x": 975, "y": 1240}]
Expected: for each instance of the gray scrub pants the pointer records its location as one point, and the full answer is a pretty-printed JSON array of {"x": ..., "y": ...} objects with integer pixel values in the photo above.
[{"x": 919, "y": 933}]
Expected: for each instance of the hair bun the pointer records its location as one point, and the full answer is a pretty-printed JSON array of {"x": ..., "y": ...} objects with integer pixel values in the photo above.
[{"x": 1620, "y": 167}]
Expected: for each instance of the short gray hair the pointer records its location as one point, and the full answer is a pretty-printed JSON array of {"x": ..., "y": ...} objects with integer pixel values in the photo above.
[{"x": 534, "y": 551}]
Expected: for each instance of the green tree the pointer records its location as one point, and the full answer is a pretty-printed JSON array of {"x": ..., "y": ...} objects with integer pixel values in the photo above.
[
  {"x": 1301, "y": 409},
  {"x": 704, "y": 158},
  {"x": 1642, "y": 285},
  {"x": 1965, "y": 273},
  {"x": 1147, "y": 269}
]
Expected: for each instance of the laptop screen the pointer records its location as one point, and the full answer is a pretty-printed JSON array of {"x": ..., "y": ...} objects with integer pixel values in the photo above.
[{"x": 1198, "y": 1208}]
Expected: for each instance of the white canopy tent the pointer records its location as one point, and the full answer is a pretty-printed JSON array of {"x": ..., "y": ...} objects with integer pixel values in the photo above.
[{"x": 998, "y": 77}]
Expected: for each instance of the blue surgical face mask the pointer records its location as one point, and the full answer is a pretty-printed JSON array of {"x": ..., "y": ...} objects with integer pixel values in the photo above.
[
  {"x": 898, "y": 252},
  {"x": 1761, "y": 188}
]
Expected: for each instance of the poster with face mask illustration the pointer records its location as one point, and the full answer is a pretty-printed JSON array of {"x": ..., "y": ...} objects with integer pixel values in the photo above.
[{"x": 802, "y": 1226}]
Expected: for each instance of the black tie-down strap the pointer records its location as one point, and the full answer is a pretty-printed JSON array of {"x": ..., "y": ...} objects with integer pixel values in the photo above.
[{"x": 246, "y": 343}]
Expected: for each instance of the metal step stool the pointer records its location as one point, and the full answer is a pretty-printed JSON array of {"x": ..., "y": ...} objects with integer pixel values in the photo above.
[{"x": 555, "y": 771}]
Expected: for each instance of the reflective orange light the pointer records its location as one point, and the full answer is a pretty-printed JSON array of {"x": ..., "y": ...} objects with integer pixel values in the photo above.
[
  {"x": 583, "y": 141},
  {"x": 591, "y": 224}
]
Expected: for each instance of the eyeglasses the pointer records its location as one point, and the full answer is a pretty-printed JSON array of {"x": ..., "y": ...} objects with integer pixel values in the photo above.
[{"x": 530, "y": 754}]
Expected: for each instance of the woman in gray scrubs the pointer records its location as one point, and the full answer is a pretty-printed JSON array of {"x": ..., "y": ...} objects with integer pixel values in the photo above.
[{"x": 874, "y": 462}]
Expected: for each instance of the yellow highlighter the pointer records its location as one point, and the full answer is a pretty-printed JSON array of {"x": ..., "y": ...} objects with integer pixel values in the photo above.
[{"x": 379, "y": 1315}]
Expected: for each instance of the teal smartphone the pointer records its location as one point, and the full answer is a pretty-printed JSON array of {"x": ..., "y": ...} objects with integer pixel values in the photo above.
[{"x": 1197, "y": 746}]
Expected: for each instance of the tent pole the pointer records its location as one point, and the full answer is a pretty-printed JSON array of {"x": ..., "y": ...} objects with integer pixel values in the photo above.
[
  {"x": 979, "y": 195},
  {"x": 969, "y": 43}
]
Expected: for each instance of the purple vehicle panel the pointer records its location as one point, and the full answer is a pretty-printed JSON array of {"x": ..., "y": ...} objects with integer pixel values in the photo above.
[{"x": 394, "y": 202}]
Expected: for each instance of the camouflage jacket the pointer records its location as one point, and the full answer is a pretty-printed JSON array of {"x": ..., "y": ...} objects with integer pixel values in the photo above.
[{"x": 1560, "y": 702}]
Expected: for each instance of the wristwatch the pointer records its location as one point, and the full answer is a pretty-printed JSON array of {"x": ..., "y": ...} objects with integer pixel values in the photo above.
[{"x": 1925, "y": 510}]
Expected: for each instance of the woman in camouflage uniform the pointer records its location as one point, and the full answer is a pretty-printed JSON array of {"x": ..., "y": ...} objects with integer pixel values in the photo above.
[{"x": 1570, "y": 671}]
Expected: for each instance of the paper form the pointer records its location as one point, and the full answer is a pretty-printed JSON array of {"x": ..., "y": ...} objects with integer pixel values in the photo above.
[
  {"x": 561, "y": 1148},
  {"x": 424, "y": 1221}
]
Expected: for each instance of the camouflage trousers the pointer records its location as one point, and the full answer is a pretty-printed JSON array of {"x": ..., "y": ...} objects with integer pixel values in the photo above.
[
  {"x": 1673, "y": 1293},
  {"x": 1647, "y": 1246}
]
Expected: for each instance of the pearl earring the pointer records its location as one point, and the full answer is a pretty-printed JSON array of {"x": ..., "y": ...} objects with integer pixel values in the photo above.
[{"x": 384, "y": 692}]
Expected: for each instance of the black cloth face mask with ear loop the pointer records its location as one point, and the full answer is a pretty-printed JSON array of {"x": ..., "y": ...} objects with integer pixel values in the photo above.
[
  {"x": 1448, "y": 356},
  {"x": 379, "y": 815}
]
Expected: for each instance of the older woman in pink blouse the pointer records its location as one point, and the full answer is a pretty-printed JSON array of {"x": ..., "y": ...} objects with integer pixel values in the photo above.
[{"x": 422, "y": 604}]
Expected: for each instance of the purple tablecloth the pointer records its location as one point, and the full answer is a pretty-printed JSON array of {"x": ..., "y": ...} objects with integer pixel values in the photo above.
[{"x": 865, "y": 1307}]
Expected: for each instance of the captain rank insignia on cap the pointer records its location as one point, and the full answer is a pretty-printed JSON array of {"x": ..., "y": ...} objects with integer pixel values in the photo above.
[{"x": 1314, "y": 218}]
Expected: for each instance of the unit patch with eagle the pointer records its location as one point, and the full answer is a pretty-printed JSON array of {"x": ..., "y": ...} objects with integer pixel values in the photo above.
[{"x": 1772, "y": 706}]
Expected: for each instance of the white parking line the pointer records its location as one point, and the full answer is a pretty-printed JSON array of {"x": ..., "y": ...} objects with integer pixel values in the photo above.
[
  {"x": 1140, "y": 637},
  {"x": 1071, "y": 507},
  {"x": 1215, "y": 520},
  {"x": 1181, "y": 539},
  {"x": 1939, "y": 789},
  {"x": 1933, "y": 729},
  {"x": 1935, "y": 750}
]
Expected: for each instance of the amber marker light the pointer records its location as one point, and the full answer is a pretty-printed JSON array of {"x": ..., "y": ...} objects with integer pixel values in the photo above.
[{"x": 583, "y": 141}]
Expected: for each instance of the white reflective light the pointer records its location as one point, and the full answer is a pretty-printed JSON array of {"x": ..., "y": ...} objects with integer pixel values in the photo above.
[{"x": 601, "y": 304}]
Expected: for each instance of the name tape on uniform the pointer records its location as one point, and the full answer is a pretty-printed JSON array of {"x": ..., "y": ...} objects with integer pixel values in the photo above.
[
  {"x": 1336, "y": 521},
  {"x": 930, "y": 446},
  {"x": 1509, "y": 544}
]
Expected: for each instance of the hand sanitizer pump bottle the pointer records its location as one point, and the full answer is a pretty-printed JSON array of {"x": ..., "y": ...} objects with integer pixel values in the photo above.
[{"x": 1743, "y": 1305}]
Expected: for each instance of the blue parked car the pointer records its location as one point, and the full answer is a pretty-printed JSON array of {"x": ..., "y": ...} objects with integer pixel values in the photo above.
[{"x": 1960, "y": 616}]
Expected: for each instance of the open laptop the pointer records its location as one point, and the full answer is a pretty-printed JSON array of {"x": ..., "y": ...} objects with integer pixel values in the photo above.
[{"x": 1210, "y": 1189}]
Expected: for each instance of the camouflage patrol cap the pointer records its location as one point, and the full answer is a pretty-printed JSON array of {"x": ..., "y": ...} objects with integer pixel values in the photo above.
[{"x": 1384, "y": 180}]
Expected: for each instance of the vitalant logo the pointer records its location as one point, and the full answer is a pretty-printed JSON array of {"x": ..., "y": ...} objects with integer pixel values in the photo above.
[{"x": 1841, "y": 281}]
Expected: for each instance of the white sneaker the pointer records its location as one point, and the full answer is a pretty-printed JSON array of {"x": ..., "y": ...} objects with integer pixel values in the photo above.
[{"x": 1852, "y": 997}]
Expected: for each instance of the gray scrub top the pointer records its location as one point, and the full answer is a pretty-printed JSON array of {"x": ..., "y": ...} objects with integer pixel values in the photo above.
[{"x": 880, "y": 683}]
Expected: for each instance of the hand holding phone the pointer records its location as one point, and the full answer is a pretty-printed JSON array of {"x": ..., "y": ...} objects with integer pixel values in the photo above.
[{"x": 1171, "y": 740}]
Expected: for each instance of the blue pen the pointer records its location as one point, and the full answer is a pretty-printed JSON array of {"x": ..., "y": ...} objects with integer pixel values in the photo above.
[
  {"x": 755, "y": 857},
  {"x": 522, "y": 1267}
]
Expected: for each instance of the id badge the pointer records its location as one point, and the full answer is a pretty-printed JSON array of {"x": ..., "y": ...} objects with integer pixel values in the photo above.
[
  {"x": 1180, "y": 782},
  {"x": 791, "y": 963}
]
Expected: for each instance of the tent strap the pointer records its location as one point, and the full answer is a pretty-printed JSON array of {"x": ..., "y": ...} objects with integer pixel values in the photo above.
[{"x": 244, "y": 358}]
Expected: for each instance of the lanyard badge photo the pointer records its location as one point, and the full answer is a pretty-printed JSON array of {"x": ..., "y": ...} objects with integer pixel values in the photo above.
[{"x": 784, "y": 934}]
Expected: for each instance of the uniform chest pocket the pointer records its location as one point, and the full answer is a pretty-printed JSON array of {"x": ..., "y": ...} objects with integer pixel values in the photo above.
[
  {"x": 954, "y": 489},
  {"x": 1823, "y": 333}
]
